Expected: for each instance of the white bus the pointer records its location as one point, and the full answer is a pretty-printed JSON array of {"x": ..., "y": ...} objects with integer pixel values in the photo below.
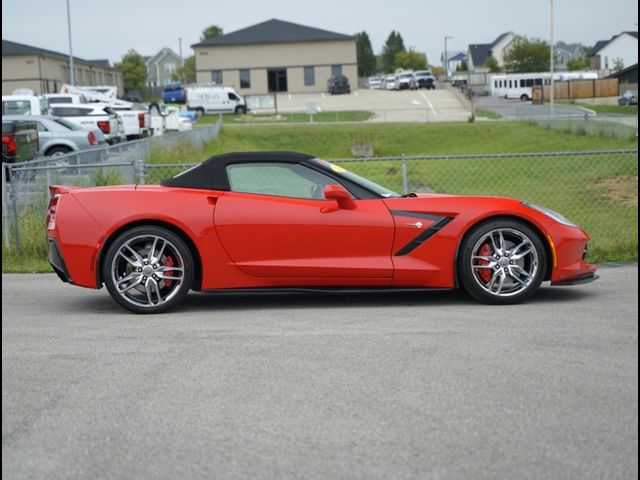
[{"x": 520, "y": 85}]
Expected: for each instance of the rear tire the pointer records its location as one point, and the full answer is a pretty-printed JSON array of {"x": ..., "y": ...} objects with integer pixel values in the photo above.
[
  {"x": 148, "y": 269},
  {"x": 57, "y": 151},
  {"x": 524, "y": 97},
  {"x": 502, "y": 262}
]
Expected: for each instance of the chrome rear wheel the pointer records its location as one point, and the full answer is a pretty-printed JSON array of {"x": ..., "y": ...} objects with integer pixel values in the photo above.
[{"x": 148, "y": 269}]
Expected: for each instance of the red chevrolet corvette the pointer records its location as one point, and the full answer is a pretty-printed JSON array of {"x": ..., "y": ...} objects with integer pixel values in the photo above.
[{"x": 282, "y": 220}]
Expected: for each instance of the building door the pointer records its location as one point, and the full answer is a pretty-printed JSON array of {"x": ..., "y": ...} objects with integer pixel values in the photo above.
[{"x": 277, "y": 79}]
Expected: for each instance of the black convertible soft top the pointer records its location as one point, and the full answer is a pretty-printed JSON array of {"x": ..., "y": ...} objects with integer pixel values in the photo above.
[{"x": 212, "y": 174}]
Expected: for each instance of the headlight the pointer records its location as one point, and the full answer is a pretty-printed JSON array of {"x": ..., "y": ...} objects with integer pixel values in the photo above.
[{"x": 552, "y": 214}]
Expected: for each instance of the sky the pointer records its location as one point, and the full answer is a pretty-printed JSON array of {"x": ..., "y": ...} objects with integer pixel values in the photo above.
[{"x": 108, "y": 29}]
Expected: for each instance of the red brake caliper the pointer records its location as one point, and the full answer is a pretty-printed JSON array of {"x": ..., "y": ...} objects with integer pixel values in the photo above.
[
  {"x": 168, "y": 263},
  {"x": 485, "y": 273}
]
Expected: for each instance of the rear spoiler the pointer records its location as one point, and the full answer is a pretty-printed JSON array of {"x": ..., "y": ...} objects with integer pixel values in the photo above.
[{"x": 58, "y": 189}]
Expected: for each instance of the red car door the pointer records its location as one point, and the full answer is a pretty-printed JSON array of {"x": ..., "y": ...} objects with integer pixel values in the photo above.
[{"x": 270, "y": 235}]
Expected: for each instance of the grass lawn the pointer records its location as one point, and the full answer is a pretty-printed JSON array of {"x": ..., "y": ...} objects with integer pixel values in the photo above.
[
  {"x": 630, "y": 110},
  {"x": 490, "y": 114},
  {"x": 297, "y": 117},
  {"x": 598, "y": 192},
  {"x": 389, "y": 139}
]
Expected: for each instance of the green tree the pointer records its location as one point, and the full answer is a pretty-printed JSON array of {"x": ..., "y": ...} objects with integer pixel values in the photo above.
[
  {"x": 187, "y": 72},
  {"x": 527, "y": 56},
  {"x": 462, "y": 67},
  {"x": 134, "y": 71},
  {"x": 410, "y": 60},
  {"x": 617, "y": 63},
  {"x": 366, "y": 58},
  {"x": 577, "y": 64},
  {"x": 392, "y": 46},
  {"x": 212, "y": 31},
  {"x": 492, "y": 65}
]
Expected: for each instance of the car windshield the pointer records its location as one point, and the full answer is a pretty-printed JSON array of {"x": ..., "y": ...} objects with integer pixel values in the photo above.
[
  {"x": 363, "y": 182},
  {"x": 406, "y": 75}
]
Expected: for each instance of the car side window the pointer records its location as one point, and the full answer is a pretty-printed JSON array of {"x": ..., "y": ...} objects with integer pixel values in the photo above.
[{"x": 279, "y": 179}]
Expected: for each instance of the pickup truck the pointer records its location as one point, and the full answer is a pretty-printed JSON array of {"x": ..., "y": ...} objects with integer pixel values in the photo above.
[
  {"x": 137, "y": 123},
  {"x": 19, "y": 141},
  {"x": 91, "y": 115},
  {"x": 24, "y": 105}
]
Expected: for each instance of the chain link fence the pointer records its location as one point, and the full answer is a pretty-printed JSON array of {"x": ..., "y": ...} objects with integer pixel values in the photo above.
[
  {"x": 596, "y": 189},
  {"x": 25, "y": 185}
]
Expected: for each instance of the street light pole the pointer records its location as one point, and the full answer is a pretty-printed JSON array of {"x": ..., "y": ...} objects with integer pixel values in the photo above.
[
  {"x": 72, "y": 75},
  {"x": 552, "y": 93},
  {"x": 446, "y": 59}
]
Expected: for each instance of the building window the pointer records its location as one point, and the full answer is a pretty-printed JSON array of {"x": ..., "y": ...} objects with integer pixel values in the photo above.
[
  {"x": 216, "y": 77},
  {"x": 245, "y": 79},
  {"x": 336, "y": 70},
  {"x": 169, "y": 68},
  {"x": 309, "y": 76}
]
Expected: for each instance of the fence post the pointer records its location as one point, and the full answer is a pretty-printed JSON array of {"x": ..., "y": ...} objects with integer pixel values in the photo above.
[
  {"x": 405, "y": 179},
  {"x": 5, "y": 209},
  {"x": 14, "y": 207},
  {"x": 139, "y": 170}
]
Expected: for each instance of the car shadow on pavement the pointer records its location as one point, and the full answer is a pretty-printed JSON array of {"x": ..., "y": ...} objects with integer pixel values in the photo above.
[
  {"x": 238, "y": 301},
  {"x": 286, "y": 300}
]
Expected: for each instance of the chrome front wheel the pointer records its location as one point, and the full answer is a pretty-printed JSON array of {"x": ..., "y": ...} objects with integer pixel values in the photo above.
[
  {"x": 148, "y": 269},
  {"x": 502, "y": 261}
]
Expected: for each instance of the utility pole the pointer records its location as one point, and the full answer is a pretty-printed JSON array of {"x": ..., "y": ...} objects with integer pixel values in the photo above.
[
  {"x": 446, "y": 59},
  {"x": 180, "y": 43},
  {"x": 552, "y": 93},
  {"x": 72, "y": 75}
]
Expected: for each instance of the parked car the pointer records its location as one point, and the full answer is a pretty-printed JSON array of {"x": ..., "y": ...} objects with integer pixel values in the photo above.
[
  {"x": 59, "y": 136},
  {"x": 424, "y": 79},
  {"x": 289, "y": 220},
  {"x": 92, "y": 115},
  {"x": 404, "y": 80},
  {"x": 389, "y": 82},
  {"x": 174, "y": 93},
  {"x": 374, "y": 82},
  {"x": 19, "y": 140},
  {"x": 215, "y": 99},
  {"x": 24, "y": 105},
  {"x": 629, "y": 97},
  {"x": 338, "y": 84},
  {"x": 133, "y": 96}
]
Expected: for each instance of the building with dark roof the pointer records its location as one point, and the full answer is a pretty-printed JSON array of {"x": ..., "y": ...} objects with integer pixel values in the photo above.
[
  {"x": 478, "y": 53},
  {"x": 276, "y": 56},
  {"x": 618, "y": 52},
  {"x": 45, "y": 71}
]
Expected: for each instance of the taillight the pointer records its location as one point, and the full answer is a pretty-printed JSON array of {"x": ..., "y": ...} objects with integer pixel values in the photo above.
[
  {"x": 9, "y": 145},
  {"x": 141, "y": 120},
  {"x": 51, "y": 212},
  {"x": 105, "y": 126},
  {"x": 92, "y": 139}
]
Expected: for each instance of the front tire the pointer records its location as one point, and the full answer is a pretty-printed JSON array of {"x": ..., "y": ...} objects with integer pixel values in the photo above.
[
  {"x": 148, "y": 269},
  {"x": 502, "y": 262}
]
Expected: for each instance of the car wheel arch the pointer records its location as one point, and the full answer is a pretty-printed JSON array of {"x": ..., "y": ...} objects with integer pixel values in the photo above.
[
  {"x": 58, "y": 146},
  {"x": 481, "y": 221},
  {"x": 197, "y": 259}
]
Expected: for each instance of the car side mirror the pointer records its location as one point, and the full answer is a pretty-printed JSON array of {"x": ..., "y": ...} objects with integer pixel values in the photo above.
[{"x": 340, "y": 195}]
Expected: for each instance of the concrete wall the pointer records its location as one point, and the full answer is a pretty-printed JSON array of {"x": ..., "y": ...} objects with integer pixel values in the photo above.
[{"x": 293, "y": 57}]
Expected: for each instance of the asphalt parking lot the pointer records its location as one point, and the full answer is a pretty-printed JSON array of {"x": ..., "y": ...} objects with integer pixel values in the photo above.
[
  {"x": 439, "y": 105},
  {"x": 288, "y": 386}
]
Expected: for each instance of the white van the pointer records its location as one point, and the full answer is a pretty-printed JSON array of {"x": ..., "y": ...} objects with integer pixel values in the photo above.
[
  {"x": 24, "y": 105},
  {"x": 215, "y": 99}
]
